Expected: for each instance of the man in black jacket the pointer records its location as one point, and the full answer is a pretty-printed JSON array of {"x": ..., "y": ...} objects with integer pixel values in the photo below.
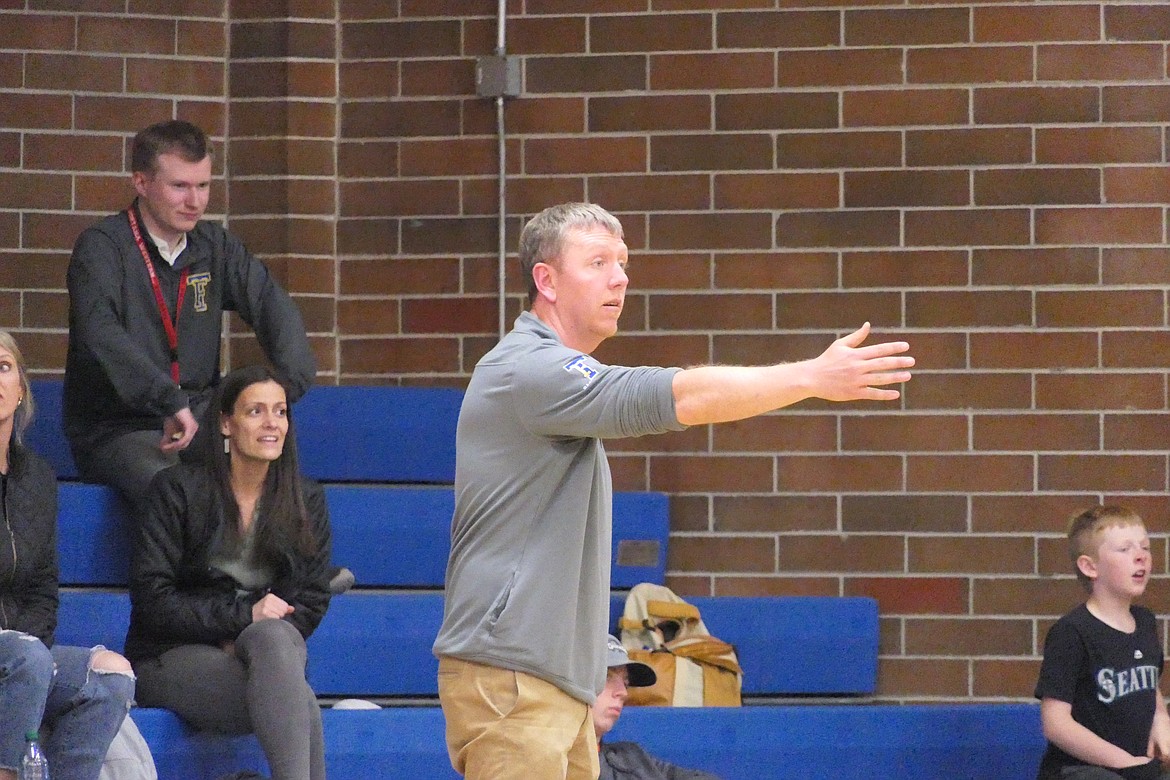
[
  {"x": 627, "y": 760},
  {"x": 147, "y": 290}
]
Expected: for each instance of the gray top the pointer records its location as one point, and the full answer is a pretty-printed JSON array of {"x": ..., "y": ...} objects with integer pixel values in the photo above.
[{"x": 527, "y": 584}]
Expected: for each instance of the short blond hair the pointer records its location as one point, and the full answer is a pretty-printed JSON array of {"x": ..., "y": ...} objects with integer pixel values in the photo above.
[{"x": 1085, "y": 527}]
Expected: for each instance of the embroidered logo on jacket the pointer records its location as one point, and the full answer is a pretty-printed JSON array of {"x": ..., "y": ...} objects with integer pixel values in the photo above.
[
  {"x": 583, "y": 368},
  {"x": 198, "y": 284}
]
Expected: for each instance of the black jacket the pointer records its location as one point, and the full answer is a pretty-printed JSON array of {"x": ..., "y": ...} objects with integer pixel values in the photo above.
[
  {"x": 628, "y": 761},
  {"x": 177, "y": 598},
  {"x": 118, "y": 367},
  {"x": 28, "y": 546}
]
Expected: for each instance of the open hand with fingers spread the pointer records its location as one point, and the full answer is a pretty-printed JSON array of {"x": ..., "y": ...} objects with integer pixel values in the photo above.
[{"x": 847, "y": 371}]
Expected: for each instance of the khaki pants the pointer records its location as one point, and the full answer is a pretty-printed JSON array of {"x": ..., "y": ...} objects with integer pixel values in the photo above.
[{"x": 503, "y": 725}]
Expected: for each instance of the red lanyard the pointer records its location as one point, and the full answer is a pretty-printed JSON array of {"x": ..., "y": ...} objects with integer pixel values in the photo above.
[{"x": 169, "y": 325}]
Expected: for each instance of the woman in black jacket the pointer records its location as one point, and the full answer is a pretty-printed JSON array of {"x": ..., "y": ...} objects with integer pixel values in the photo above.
[
  {"x": 79, "y": 695},
  {"x": 229, "y": 576}
]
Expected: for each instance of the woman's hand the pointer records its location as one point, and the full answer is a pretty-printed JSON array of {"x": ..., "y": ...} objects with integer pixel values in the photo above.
[{"x": 271, "y": 607}]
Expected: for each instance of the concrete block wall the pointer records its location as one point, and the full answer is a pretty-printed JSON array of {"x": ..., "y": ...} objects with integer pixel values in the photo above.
[{"x": 987, "y": 180}]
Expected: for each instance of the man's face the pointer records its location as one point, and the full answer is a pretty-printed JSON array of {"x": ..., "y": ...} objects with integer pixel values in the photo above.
[
  {"x": 608, "y": 707},
  {"x": 588, "y": 286},
  {"x": 173, "y": 197}
]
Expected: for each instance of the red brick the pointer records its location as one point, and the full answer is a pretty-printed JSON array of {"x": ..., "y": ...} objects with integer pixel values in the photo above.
[
  {"x": 73, "y": 72},
  {"x": 854, "y": 474},
  {"x": 1135, "y": 432},
  {"x": 1101, "y": 472},
  {"x": 969, "y": 637},
  {"x": 670, "y": 270},
  {"x": 1026, "y": 595},
  {"x": 968, "y": 391},
  {"x": 1135, "y": 265},
  {"x": 974, "y": 65},
  {"x": 937, "y": 554},
  {"x": 649, "y": 33},
  {"x": 1099, "y": 308},
  {"x": 400, "y": 197},
  {"x": 777, "y": 191},
  {"x": 975, "y": 226},
  {"x": 782, "y": 29},
  {"x": 407, "y": 40},
  {"x": 923, "y": 677},
  {"x": 903, "y": 513},
  {"x": 44, "y": 230},
  {"x": 1038, "y": 350},
  {"x": 586, "y": 74},
  {"x": 635, "y": 113},
  {"x": 773, "y": 432},
  {"x": 910, "y": 268},
  {"x": 719, "y": 230},
  {"x": 710, "y": 152},
  {"x": 981, "y": 473},
  {"x": 124, "y": 35},
  {"x": 968, "y": 308},
  {"x": 721, "y": 553},
  {"x": 24, "y": 110},
  {"x": 655, "y": 350},
  {"x": 1135, "y": 103},
  {"x": 367, "y": 317},
  {"x": 837, "y": 310},
  {"x": 1097, "y": 145},
  {"x": 1098, "y": 226},
  {"x": 838, "y": 228},
  {"x": 449, "y": 315},
  {"x": 1027, "y": 267},
  {"x": 369, "y": 79},
  {"x": 906, "y": 188},
  {"x": 202, "y": 39},
  {"x": 905, "y": 107},
  {"x": 839, "y": 150},
  {"x": 117, "y": 114},
  {"x": 1145, "y": 184},
  {"x": 1144, "y": 22},
  {"x": 29, "y": 269},
  {"x": 1010, "y": 24},
  {"x": 399, "y": 355},
  {"x": 1010, "y": 186},
  {"x": 1100, "y": 62},
  {"x": 924, "y": 433},
  {"x": 1002, "y": 678},
  {"x": 34, "y": 31},
  {"x": 1036, "y": 432},
  {"x": 737, "y": 473},
  {"x": 776, "y": 110},
  {"x": 774, "y": 586},
  {"x": 1134, "y": 348},
  {"x": 853, "y": 553},
  {"x": 527, "y": 35},
  {"x": 912, "y": 595},
  {"x": 710, "y": 312},
  {"x": 782, "y": 270},
  {"x": 403, "y": 118},
  {"x": 838, "y": 67},
  {"x": 1100, "y": 391},
  {"x": 979, "y": 146},
  {"x": 19, "y": 190},
  {"x": 906, "y": 27},
  {"x": 1033, "y": 513},
  {"x": 438, "y": 77},
  {"x": 586, "y": 155},
  {"x": 1036, "y": 105},
  {"x": 711, "y": 71},
  {"x": 176, "y": 77},
  {"x": 649, "y": 193}
]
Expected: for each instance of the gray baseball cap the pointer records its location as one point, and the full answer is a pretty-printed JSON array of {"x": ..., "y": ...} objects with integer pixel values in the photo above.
[{"x": 641, "y": 675}]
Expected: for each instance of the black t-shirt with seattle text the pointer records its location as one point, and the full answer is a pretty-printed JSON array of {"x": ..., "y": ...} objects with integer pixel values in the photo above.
[{"x": 1108, "y": 676}]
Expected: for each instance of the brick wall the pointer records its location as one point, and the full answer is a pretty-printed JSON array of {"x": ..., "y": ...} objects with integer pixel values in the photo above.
[{"x": 985, "y": 179}]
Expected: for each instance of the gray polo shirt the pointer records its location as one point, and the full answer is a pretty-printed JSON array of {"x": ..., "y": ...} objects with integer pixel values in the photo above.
[{"x": 528, "y": 583}]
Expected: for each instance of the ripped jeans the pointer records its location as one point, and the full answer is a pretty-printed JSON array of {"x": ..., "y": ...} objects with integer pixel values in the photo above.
[{"x": 77, "y": 710}]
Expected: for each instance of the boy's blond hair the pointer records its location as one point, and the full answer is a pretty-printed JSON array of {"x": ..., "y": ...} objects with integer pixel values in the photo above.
[{"x": 1085, "y": 528}]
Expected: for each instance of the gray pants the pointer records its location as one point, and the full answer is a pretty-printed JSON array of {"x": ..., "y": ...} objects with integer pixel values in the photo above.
[
  {"x": 127, "y": 463},
  {"x": 260, "y": 689},
  {"x": 1092, "y": 773}
]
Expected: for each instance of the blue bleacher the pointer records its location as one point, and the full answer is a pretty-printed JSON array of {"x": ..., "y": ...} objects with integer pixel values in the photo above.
[{"x": 390, "y": 497}]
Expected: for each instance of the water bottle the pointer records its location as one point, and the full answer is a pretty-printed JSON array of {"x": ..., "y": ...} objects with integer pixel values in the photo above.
[{"x": 33, "y": 765}]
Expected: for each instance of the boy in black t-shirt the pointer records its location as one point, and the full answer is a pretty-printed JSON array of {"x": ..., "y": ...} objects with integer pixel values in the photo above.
[{"x": 1100, "y": 707}]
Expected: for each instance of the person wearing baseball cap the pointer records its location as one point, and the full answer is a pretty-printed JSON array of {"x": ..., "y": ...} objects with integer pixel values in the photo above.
[{"x": 628, "y": 760}]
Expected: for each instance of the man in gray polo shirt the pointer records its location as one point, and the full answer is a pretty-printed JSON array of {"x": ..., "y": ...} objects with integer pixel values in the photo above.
[{"x": 528, "y": 577}]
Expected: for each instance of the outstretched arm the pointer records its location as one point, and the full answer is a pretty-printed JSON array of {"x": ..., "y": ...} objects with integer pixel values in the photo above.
[{"x": 846, "y": 371}]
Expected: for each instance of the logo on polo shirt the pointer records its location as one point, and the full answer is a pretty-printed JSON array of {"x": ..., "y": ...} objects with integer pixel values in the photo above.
[{"x": 581, "y": 366}]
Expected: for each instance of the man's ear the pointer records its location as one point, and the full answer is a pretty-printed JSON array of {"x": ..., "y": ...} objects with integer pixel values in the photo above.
[
  {"x": 544, "y": 275},
  {"x": 139, "y": 179},
  {"x": 1087, "y": 566}
]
